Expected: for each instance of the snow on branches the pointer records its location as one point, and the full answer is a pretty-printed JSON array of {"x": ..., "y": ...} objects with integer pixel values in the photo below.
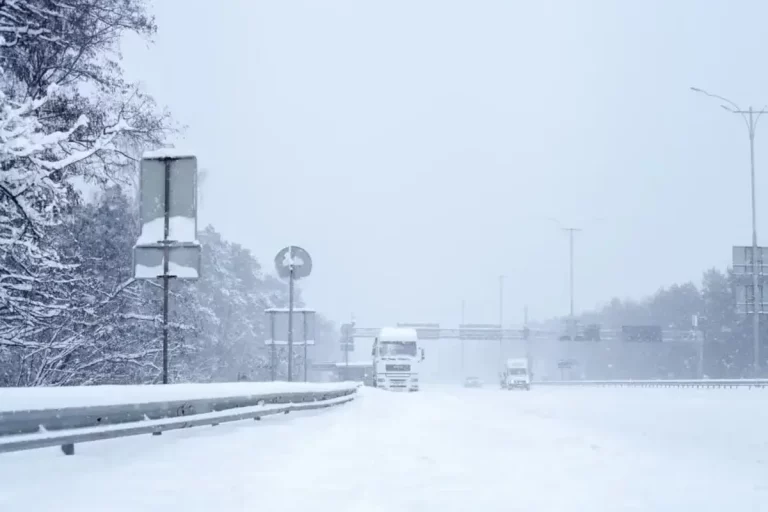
[{"x": 29, "y": 18}]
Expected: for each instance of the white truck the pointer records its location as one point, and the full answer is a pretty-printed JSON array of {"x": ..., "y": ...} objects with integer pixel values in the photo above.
[
  {"x": 396, "y": 359},
  {"x": 516, "y": 375}
]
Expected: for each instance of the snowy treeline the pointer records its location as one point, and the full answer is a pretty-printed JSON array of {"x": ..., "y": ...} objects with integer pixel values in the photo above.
[
  {"x": 70, "y": 313},
  {"x": 729, "y": 349}
]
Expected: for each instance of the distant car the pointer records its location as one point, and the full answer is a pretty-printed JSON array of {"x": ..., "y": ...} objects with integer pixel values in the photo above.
[{"x": 472, "y": 382}]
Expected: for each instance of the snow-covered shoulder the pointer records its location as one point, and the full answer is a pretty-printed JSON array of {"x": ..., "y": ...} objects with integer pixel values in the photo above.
[{"x": 36, "y": 398}]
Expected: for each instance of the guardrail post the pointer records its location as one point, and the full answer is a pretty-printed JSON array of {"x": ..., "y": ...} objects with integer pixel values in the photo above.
[{"x": 68, "y": 449}]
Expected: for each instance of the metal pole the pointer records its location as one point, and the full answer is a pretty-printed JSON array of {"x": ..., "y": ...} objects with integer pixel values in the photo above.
[
  {"x": 751, "y": 121},
  {"x": 571, "y": 310},
  {"x": 165, "y": 323},
  {"x": 166, "y": 277},
  {"x": 756, "y": 264},
  {"x": 527, "y": 340},
  {"x": 304, "y": 316},
  {"x": 570, "y": 243},
  {"x": 501, "y": 320},
  {"x": 347, "y": 342},
  {"x": 273, "y": 348},
  {"x": 461, "y": 339},
  {"x": 346, "y": 355},
  {"x": 290, "y": 322}
]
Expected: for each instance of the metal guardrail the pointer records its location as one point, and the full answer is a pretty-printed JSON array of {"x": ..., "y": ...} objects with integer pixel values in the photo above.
[
  {"x": 29, "y": 429},
  {"x": 669, "y": 383}
]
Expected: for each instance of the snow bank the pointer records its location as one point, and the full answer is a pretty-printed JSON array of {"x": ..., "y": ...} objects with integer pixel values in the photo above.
[
  {"x": 441, "y": 450},
  {"x": 13, "y": 399}
]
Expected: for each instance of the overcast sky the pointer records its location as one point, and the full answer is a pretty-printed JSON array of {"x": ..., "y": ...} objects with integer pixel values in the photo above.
[{"x": 416, "y": 147}]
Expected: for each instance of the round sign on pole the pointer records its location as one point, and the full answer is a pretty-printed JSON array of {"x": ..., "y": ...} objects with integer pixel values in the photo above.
[{"x": 293, "y": 257}]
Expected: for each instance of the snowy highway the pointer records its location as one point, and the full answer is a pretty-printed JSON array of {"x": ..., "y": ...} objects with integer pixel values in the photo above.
[{"x": 444, "y": 449}]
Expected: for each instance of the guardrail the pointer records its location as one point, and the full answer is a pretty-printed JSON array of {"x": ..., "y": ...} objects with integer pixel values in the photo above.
[
  {"x": 29, "y": 429},
  {"x": 670, "y": 383}
]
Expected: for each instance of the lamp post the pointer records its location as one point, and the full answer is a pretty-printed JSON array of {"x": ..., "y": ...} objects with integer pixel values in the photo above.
[{"x": 751, "y": 118}]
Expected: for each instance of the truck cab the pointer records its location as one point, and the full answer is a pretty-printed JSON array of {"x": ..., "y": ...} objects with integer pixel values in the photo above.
[
  {"x": 396, "y": 359},
  {"x": 516, "y": 375}
]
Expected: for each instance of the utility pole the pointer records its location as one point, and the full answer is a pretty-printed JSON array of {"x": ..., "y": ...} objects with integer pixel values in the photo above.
[{"x": 751, "y": 118}]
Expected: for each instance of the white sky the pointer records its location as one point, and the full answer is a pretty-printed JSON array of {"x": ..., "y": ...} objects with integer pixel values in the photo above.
[{"x": 414, "y": 148}]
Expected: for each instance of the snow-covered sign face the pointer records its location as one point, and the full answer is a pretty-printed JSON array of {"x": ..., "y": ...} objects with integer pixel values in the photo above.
[
  {"x": 296, "y": 258},
  {"x": 291, "y": 259}
]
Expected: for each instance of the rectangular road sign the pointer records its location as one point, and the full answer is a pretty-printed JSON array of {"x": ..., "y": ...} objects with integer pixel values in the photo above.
[
  {"x": 303, "y": 326},
  {"x": 181, "y": 180},
  {"x": 425, "y": 331},
  {"x": 745, "y": 299},
  {"x": 642, "y": 333},
  {"x": 183, "y": 261},
  {"x": 168, "y": 215},
  {"x": 745, "y": 264},
  {"x": 479, "y": 331},
  {"x": 365, "y": 332}
]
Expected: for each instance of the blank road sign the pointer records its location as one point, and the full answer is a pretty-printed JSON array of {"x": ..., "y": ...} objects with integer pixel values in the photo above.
[
  {"x": 182, "y": 205},
  {"x": 642, "y": 333},
  {"x": 744, "y": 263},
  {"x": 745, "y": 299},
  {"x": 183, "y": 261},
  {"x": 303, "y": 327},
  {"x": 479, "y": 331},
  {"x": 424, "y": 331}
]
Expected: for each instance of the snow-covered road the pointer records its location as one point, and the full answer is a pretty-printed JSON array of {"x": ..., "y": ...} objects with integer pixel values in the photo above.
[{"x": 550, "y": 449}]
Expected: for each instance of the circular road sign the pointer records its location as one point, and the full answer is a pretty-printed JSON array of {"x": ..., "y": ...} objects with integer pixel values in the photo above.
[{"x": 296, "y": 257}]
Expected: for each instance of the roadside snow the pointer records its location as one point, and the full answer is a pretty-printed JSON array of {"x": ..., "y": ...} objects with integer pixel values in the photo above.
[
  {"x": 442, "y": 450},
  {"x": 59, "y": 397}
]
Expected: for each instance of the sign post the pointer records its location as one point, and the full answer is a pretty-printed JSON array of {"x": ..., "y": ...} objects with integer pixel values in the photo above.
[
  {"x": 167, "y": 247},
  {"x": 749, "y": 266},
  {"x": 302, "y": 331},
  {"x": 293, "y": 263},
  {"x": 347, "y": 342}
]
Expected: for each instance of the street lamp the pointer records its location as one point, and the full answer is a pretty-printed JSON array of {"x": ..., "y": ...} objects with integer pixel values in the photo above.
[
  {"x": 751, "y": 118},
  {"x": 570, "y": 231}
]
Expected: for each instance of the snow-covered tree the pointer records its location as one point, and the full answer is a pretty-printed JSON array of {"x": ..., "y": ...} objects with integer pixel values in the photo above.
[
  {"x": 70, "y": 311},
  {"x": 66, "y": 116}
]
